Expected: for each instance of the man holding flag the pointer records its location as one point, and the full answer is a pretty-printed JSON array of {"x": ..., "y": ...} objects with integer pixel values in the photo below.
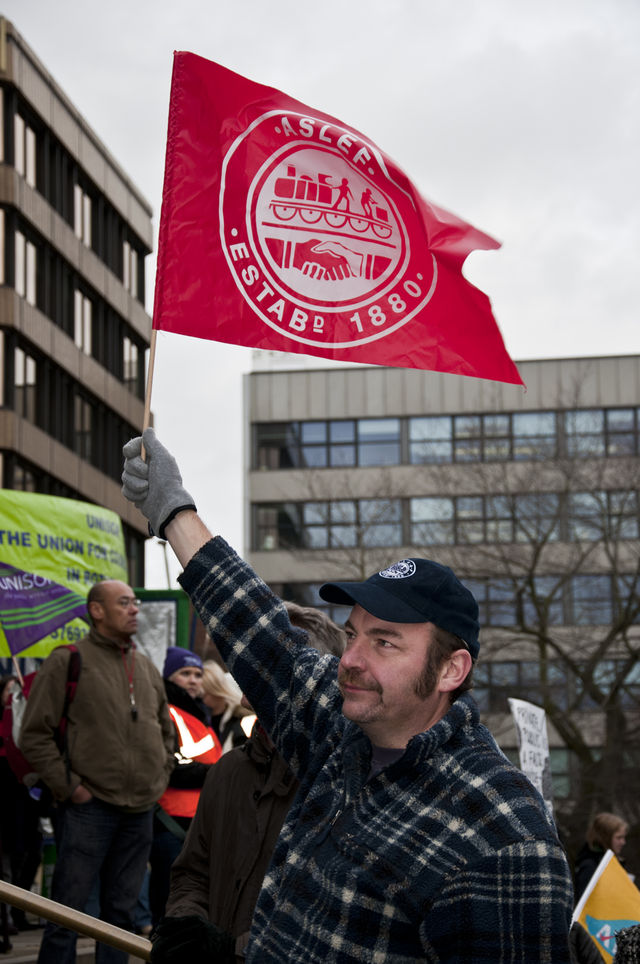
[{"x": 412, "y": 837}]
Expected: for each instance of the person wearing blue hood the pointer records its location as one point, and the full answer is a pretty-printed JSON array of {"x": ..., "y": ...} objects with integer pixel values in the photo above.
[
  {"x": 412, "y": 837},
  {"x": 197, "y": 748}
]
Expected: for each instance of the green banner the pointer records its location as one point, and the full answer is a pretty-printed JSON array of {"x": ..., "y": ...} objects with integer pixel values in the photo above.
[{"x": 75, "y": 544}]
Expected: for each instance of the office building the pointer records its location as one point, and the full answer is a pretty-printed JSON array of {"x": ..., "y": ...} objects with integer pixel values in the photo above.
[{"x": 74, "y": 235}]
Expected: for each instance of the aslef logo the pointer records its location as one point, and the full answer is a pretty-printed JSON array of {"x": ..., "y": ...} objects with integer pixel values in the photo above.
[{"x": 317, "y": 233}]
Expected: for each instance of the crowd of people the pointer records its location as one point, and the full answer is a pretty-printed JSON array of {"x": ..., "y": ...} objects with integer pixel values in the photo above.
[{"x": 339, "y": 801}]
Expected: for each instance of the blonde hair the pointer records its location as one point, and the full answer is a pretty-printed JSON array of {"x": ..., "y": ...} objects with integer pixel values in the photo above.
[
  {"x": 218, "y": 683},
  {"x": 603, "y": 827}
]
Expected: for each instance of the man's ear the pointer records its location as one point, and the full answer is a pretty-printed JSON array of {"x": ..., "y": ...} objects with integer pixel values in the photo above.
[
  {"x": 92, "y": 609},
  {"x": 455, "y": 670}
]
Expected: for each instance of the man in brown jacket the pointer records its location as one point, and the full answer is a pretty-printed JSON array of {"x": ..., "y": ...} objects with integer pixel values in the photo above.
[{"x": 118, "y": 757}]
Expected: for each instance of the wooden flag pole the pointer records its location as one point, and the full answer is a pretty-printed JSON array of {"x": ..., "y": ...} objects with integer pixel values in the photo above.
[
  {"x": 17, "y": 669},
  {"x": 75, "y": 920},
  {"x": 147, "y": 399}
]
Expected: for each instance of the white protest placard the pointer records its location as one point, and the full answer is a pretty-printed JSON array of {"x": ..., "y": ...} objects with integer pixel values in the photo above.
[{"x": 533, "y": 743}]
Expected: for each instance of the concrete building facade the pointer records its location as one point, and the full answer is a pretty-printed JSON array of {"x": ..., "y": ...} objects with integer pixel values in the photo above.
[{"x": 74, "y": 235}]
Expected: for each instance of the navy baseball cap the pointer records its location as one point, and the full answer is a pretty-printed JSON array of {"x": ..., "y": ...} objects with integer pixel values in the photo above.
[{"x": 414, "y": 591}]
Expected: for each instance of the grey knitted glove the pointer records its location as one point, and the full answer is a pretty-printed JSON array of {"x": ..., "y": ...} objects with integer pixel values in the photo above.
[{"x": 155, "y": 485}]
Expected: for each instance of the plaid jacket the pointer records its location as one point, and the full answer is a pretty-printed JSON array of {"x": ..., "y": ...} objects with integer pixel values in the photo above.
[{"x": 446, "y": 855}]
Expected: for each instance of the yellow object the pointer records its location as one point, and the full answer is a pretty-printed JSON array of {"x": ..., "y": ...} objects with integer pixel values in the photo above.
[{"x": 610, "y": 902}]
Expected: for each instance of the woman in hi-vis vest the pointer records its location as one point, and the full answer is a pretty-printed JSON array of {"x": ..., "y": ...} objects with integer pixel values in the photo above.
[{"x": 197, "y": 748}]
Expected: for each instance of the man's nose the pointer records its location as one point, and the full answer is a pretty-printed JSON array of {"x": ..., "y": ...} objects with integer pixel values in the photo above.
[{"x": 354, "y": 655}]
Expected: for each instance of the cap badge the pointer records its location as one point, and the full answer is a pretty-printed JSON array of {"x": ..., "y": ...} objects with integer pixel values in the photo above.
[{"x": 399, "y": 570}]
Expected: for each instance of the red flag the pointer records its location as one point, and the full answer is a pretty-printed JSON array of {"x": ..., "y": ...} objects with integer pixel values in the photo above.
[{"x": 283, "y": 228}]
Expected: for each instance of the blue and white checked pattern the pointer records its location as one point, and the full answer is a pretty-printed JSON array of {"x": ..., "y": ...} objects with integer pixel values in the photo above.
[{"x": 446, "y": 855}]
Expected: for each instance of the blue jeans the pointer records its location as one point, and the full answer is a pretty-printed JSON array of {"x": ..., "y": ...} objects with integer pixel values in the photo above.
[{"x": 97, "y": 841}]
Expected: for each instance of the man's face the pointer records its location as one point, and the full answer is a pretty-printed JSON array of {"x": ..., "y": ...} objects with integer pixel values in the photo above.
[
  {"x": 382, "y": 679},
  {"x": 189, "y": 678},
  {"x": 115, "y": 614}
]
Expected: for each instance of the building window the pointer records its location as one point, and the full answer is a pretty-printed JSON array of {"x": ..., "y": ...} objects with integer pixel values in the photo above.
[
  {"x": 26, "y": 266},
  {"x": 82, "y": 321},
  {"x": 432, "y": 521},
  {"x": 25, "y": 384},
  {"x": 82, "y": 215},
  {"x": 343, "y": 524},
  {"x": 23, "y": 479},
  {"x": 497, "y": 681},
  {"x": 24, "y": 150},
  {"x": 378, "y": 441},
  {"x": 537, "y": 517},
  {"x": 591, "y": 598},
  {"x": 621, "y": 431},
  {"x": 534, "y": 435},
  {"x": 130, "y": 268},
  {"x": 130, "y": 364},
  {"x": 584, "y": 431},
  {"x": 430, "y": 440},
  {"x": 318, "y": 444},
  {"x": 82, "y": 433},
  {"x": 342, "y": 443},
  {"x": 443, "y": 439}
]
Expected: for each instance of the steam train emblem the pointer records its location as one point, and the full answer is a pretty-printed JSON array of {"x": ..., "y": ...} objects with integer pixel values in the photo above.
[
  {"x": 312, "y": 201},
  {"x": 316, "y": 227},
  {"x": 328, "y": 232}
]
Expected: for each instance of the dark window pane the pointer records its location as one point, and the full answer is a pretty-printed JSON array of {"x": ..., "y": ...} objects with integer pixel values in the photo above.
[
  {"x": 344, "y": 537},
  {"x": 316, "y": 537},
  {"x": 314, "y": 456},
  {"x": 466, "y": 426},
  {"x": 495, "y": 425},
  {"x": 342, "y": 455},
  {"x": 379, "y": 453},
  {"x": 470, "y": 532},
  {"x": 382, "y": 535},
  {"x": 343, "y": 511},
  {"x": 314, "y": 513},
  {"x": 429, "y": 452},
  {"x": 428, "y": 429},
  {"x": 469, "y": 507},
  {"x": 431, "y": 508},
  {"x": 620, "y": 419},
  {"x": 584, "y": 421},
  {"x": 380, "y": 510},
  {"x": 378, "y": 429},
  {"x": 533, "y": 449},
  {"x": 468, "y": 450},
  {"x": 342, "y": 431},
  {"x": 585, "y": 446},
  {"x": 497, "y": 450},
  {"x": 313, "y": 432},
  {"x": 592, "y": 604},
  {"x": 504, "y": 674},
  {"x": 534, "y": 424},
  {"x": 621, "y": 445},
  {"x": 432, "y": 533}
]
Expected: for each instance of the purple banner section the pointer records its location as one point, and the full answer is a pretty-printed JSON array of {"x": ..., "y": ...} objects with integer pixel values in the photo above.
[{"x": 32, "y": 606}]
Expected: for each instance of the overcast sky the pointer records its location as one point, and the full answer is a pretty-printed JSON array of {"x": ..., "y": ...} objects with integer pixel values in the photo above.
[{"x": 521, "y": 117}]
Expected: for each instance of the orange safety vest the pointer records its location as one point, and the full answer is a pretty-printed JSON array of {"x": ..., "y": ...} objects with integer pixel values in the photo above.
[{"x": 197, "y": 742}]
